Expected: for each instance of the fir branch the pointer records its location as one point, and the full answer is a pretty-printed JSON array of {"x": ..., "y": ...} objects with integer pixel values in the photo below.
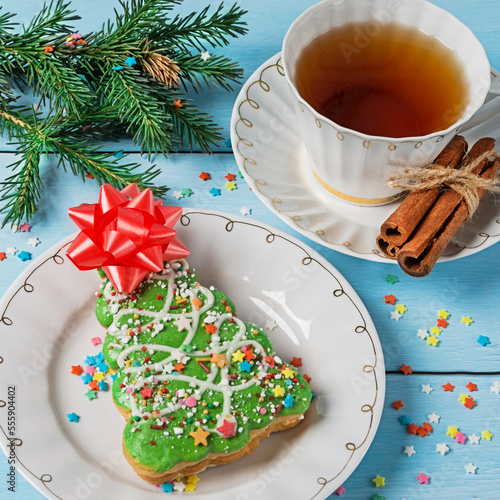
[{"x": 50, "y": 22}]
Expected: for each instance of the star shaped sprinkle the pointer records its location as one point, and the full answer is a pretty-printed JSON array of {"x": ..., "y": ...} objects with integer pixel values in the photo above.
[
  {"x": 433, "y": 341},
  {"x": 76, "y": 370},
  {"x": 179, "y": 486},
  {"x": 103, "y": 386},
  {"x": 227, "y": 429},
  {"x": 392, "y": 279},
  {"x": 205, "y": 55},
  {"x": 296, "y": 362},
  {"x": 288, "y": 401},
  {"x": 452, "y": 431},
  {"x": 200, "y": 436},
  {"x": 177, "y": 195},
  {"x": 245, "y": 366},
  {"x": 401, "y": 308},
  {"x": 190, "y": 487},
  {"x": 167, "y": 487},
  {"x": 412, "y": 429},
  {"x": 33, "y": 242},
  {"x": 183, "y": 323},
  {"x": 462, "y": 398},
  {"x": 187, "y": 192},
  {"x": 433, "y": 418},
  {"x": 117, "y": 68},
  {"x": 179, "y": 367},
  {"x": 377, "y": 497},
  {"x": 210, "y": 328},
  {"x": 466, "y": 320},
  {"x": 406, "y": 369},
  {"x": 339, "y": 491},
  {"x": 245, "y": 211},
  {"x": 2, "y": 256},
  {"x": 470, "y": 468},
  {"x": 495, "y": 388},
  {"x": 90, "y": 395},
  {"x": 230, "y": 185},
  {"x": 443, "y": 314},
  {"x": 442, "y": 448},
  {"x": 486, "y": 435},
  {"x": 423, "y": 478},
  {"x": 204, "y": 176},
  {"x": 473, "y": 439},
  {"x": 409, "y": 450},
  {"x": 219, "y": 359},
  {"x": 435, "y": 330},
  {"x": 469, "y": 403},
  {"x": 460, "y": 437},
  {"x": 483, "y": 340},
  {"x": 230, "y": 177},
  {"x": 214, "y": 191},
  {"x": 238, "y": 356},
  {"x": 405, "y": 420},
  {"x": 395, "y": 315},
  {"x": 442, "y": 323},
  {"x": 422, "y": 431},
  {"x": 24, "y": 256},
  {"x": 270, "y": 324},
  {"x": 422, "y": 334},
  {"x": 178, "y": 104},
  {"x": 24, "y": 228},
  {"x": 288, "y": 372},
  {"x": 193, "y": 478},
  {"x": 378, "y": 481},
  {"x": 11, "y": 251},
  {"x": 96, "y": 341},
  {"x": 86, "y": 379},
  {"x": 471, "y": 387},
  {"x": 427, "y": 388},
  {"x": 130, "y": 61},
  {"x": 398, "y": 405},
  {"x": 448, "y": 387},
  {"x": 73, "y": 417},
  {"x": 390, "y": 299},
  {"x": 278, "y": 391}
]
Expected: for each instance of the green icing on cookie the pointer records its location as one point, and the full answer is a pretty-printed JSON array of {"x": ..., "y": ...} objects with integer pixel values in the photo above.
[{"x": 195, "y": 378}]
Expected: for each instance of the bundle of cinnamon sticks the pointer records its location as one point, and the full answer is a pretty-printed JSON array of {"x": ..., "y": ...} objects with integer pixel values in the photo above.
[{"x": 419, "y": 230}]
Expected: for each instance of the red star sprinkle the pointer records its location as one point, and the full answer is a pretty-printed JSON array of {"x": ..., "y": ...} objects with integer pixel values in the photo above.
[
  {"x": 296, "y": 362},
  {"x": 230, "y": 177},
  {"x": 390, "y": 299},
  {"x": 204, "y": 176},
  {"x": 179, "y": 367},
  {"x": 423, "y": 478},
  {"x": 210, "y": 328},
  {"x": 24, "y": 228},
  {"x": 471, "y": 387},
  {"x": 147, "y": 392},
  {"x": 76, "y": 370},
  {"x": 470, "y": 403},
  {"x": 2, "y": 256},
  {"x": 398, "y": 405},
  {"x": 448, "y": 387},
  {"x": 94, "y": 386},
  {"x": 422, "y": 431},
  {"x": 89, "y": 176},
  {"x": 249, "y": 355},
  {"x": 406, "y": 369},
  {"x": 307, "y": 378},
  {"x": 178, "y": 104},
  {"x": 227, "y": 429},
  {"x": 441, "y": 322},
  {"x": 428, "y": 427},
  {"x": 412, "y": 428}
]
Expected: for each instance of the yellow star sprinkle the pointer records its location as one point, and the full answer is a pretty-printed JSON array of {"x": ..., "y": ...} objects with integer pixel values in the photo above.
[
  {"x": 278, "y": 391},
  {"x": 193, "y": 478},
  {"x": 452, "y": 431},
  {"x": 435, "y": 330},
  {"x": 190, "y": 487},
  {"x": 200, "y": 436},
  {"x": 128, "y": 362},
  {"x": 98, "y": 376},
  {"x": 401, "y": 309},
  {"x": 467, "y": 320},
  {"x": 443, "y": 314},
  {"x": 230, "y": 185},
  {"x": 288, "y": 373},
  {"x": 379, "y": 481},
  {"x": 431, "y": 340},
  {"x": 487, "y": 435},
  {"x": 219, "y": 359},
  {"x": 238, "y": 356},
  {"x": 463, "y": 397}
]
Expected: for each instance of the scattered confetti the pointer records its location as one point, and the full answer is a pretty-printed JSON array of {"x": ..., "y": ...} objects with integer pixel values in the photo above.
[
  {"x": 231, "y": 186},
  {"x": 443, "y": 314},
  {"x": 406, "y": 369},
  {"x": 77, "y": 370},
  {"x": 390, "y": 299},
  {"x": 187, "y": 192},
  {"x": 452, "y": 431},
  {"x": 204, "y": 176},
  {"x": 442, "y": 323},
  {"x": 442, "y": 448},
  {"x": 433, "y": 341},
  {"x": 422, "y": 334},
  {"x": 397, "y": 405},
  {"x": 471, "y": 387},
  {"x": 2, "y": 256},
  {"x": 11, "y": 251},
  {"x": 177, "y": 195},
  {"x": 178, "y": 104},
  {"x": 469, "y": 403},
  {"x": 167, "y": 487},
  {"x": 495, "y": 388},
  {"x": 460, "y": 437},
  {"x": 486, "y": 435},
  {"x": 271, "y": 324},
  {"x": 483, "y": 340},
  {"x": 24, "y": 228},
  {"x": 435, "y": 330},
  {"x": 448, "y": 387},
  {"x": 395, "y": 315},
  {"x": 245, "y": 211},
  {"x": 96, "y": 341},
  {"x": 90, "y": 394},
  {"x": 473, "y": 439},
  {"x": 462, "y": 398},
  {"x": 427, "y": 388},
  {"x": 33, "y": 242},
  {"x": 466, "y": 320},
  {"x": 205, "y": 55},
  {"x": 433, "y": 418},
  {"x": 130, "y": 61},
  {"x": 401, "y": 308},
  {"x": 73, "y": 417},
  {"x": 230, "y": 177},
  {"x": 215, "y": 191},
  {"x": 24, "y": 256},
  {"x": 378, "y": 481},
  {"x": 405, "y": 420}
]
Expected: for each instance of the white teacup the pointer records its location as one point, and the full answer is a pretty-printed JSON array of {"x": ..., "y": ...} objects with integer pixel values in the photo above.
[{"x": 355, "y": 166}]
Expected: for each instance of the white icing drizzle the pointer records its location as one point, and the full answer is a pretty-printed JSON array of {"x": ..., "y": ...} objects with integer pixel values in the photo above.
[{"x": 178, "y": 354}]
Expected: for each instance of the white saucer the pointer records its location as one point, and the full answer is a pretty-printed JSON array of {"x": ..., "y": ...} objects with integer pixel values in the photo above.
[{"x": 273, "y": 161}]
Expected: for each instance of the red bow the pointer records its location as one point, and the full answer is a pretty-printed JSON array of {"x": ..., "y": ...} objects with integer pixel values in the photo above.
[{"x": 127, "y": 233}]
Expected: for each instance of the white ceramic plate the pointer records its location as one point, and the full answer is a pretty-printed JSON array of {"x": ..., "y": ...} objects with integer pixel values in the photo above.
[
  {"x": 47, "y": 321},
  {"x": 272, "y": 158}
]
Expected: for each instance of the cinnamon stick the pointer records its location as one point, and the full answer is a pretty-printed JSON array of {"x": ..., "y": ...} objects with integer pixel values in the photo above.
[
  {"x": 419, "y": 254},
  {"x": 396, "y": 230}
]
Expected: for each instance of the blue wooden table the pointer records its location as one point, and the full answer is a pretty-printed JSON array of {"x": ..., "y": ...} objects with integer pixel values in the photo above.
[{"x": 464, "y": 287}]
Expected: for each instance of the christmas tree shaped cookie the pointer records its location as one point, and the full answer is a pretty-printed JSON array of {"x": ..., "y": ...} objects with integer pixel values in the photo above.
[{"x": 198, "y": 386}]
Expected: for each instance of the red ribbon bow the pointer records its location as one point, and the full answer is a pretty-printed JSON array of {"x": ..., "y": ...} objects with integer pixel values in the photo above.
[{"x": 127, "y": 233}]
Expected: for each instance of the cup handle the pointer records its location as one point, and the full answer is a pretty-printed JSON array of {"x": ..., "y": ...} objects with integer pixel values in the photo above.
[{"x": 486, "y": 121}]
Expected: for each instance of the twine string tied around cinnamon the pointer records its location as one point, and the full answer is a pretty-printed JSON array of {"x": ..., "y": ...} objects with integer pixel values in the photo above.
[{"x": 463, "y": 180}]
